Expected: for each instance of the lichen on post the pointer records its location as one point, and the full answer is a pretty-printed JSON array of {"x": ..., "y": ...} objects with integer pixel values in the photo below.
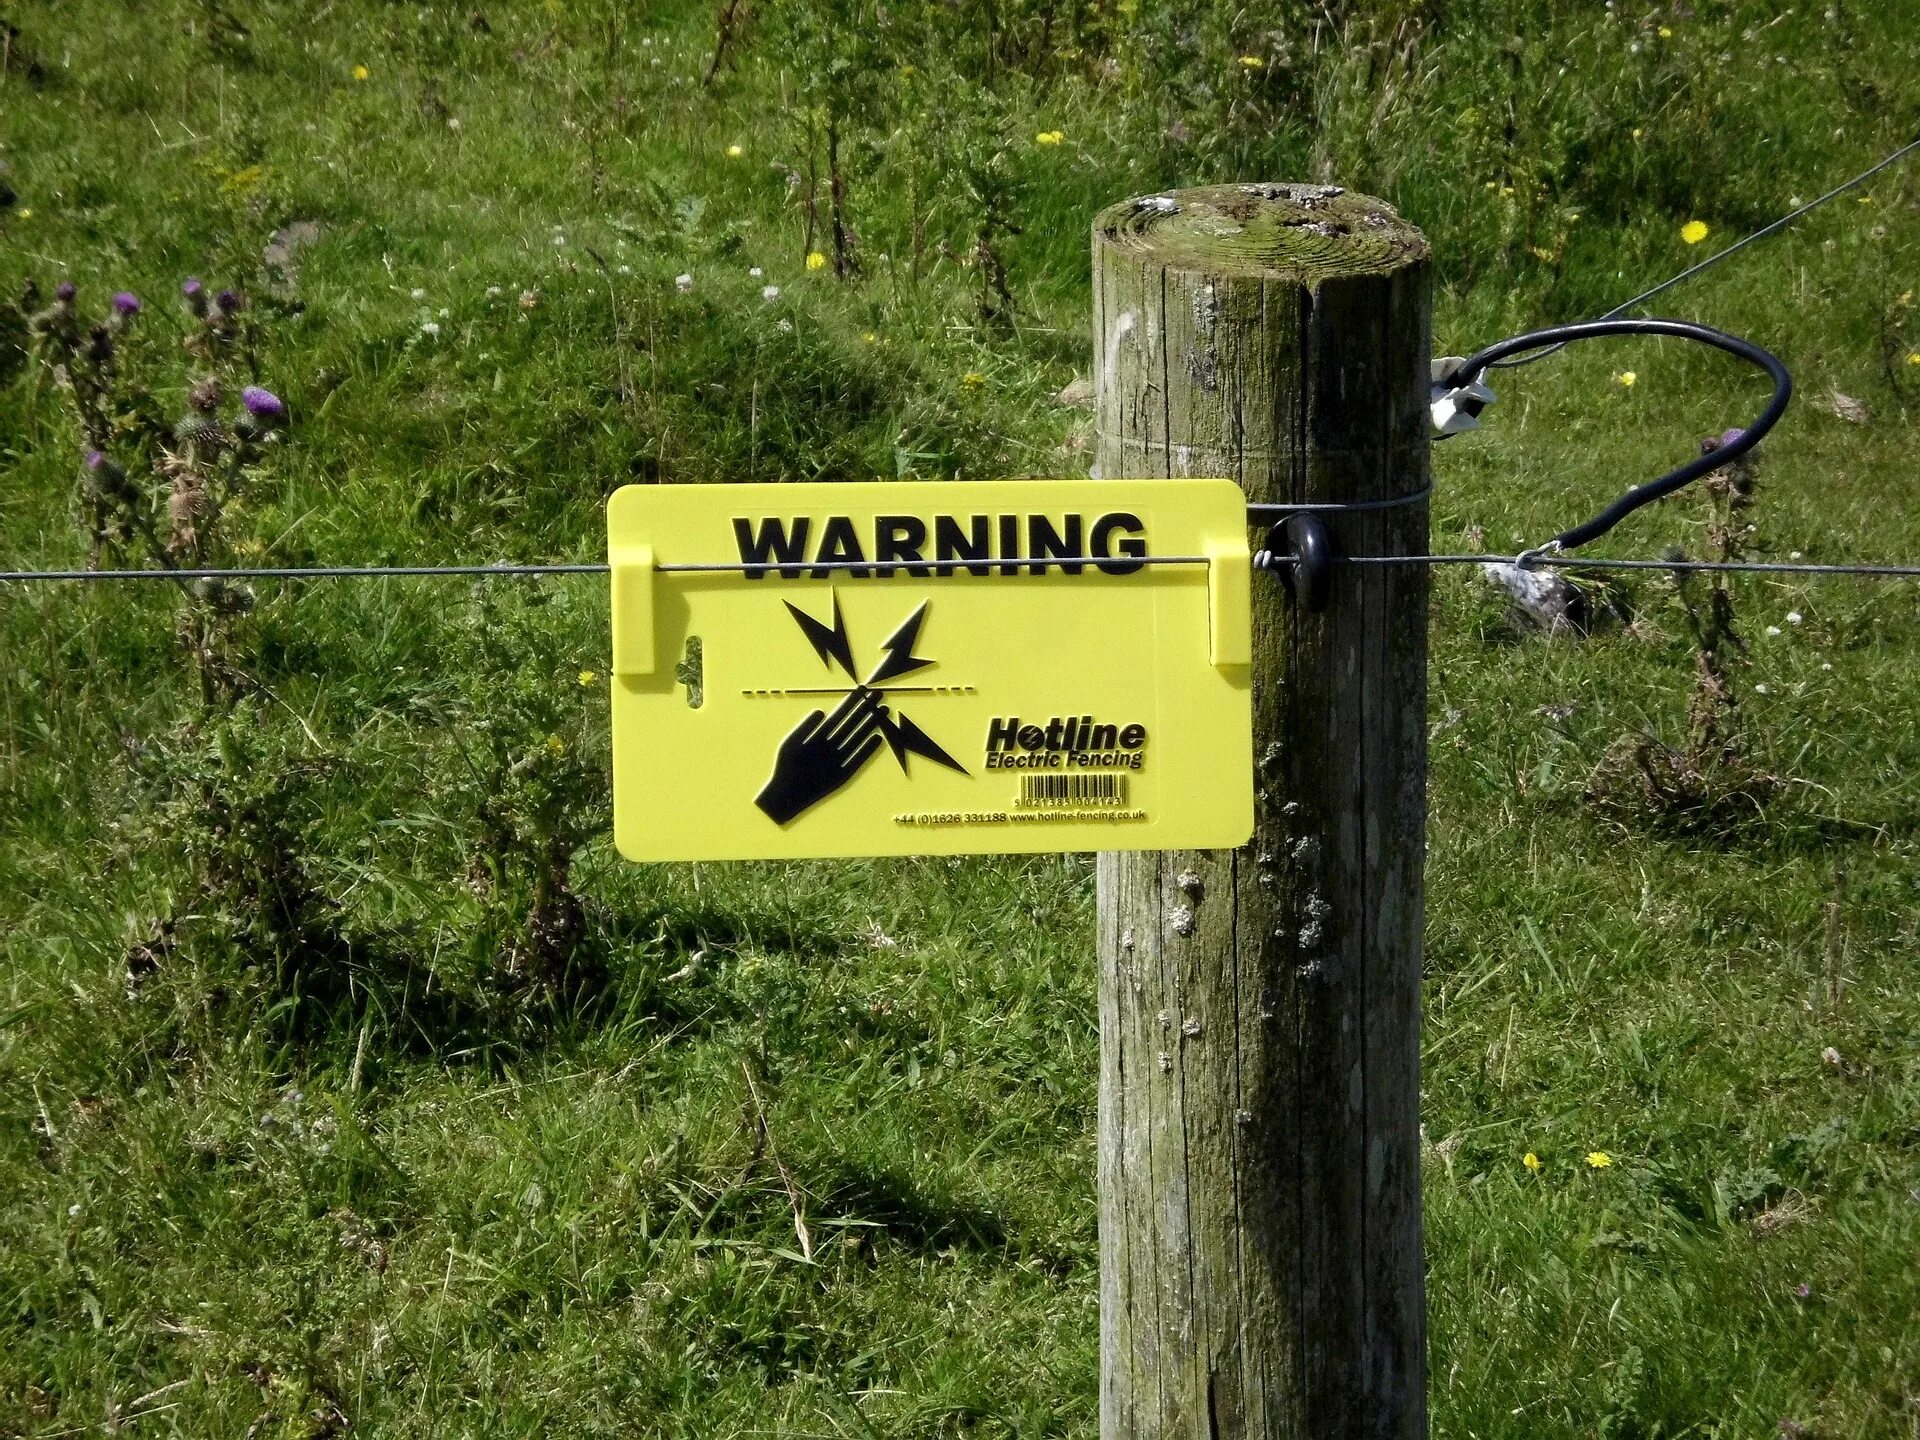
[{"x": 1259, "y": 1009}]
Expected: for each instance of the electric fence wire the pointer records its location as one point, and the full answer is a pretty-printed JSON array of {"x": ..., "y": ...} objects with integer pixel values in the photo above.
[
  {"x": 1714, "y": 259},
  {"x": 1676, "y": 564}
]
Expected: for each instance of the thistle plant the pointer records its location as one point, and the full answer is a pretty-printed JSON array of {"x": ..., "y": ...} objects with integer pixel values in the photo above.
[
  {"x": 1708, "y": 781},
  {"x": 529, "y": 776},
  {"x": 224, "y": 335},
  {"x": 837, "y": 53},
  {"x": 82, "y": 358},
  {"x": 243, "y": 796},
  {"x": 14, "y": 335},
  {"x": 161, "y": 490},
  {"x": 984, "y": 163}
]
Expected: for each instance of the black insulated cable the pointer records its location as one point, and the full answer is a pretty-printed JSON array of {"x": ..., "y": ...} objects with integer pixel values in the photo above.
[{"x": 1475, "y": 365}]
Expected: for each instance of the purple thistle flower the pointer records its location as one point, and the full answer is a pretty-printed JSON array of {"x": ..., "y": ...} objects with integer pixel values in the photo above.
[
  {"x": 126, "y": 303},
  {"x": 228, "y": 301},
  {"x": 262, "y": 403},
  {"x": 65, "y": 291},
  {"x": 106, "y": 476},
  {"x": 191, "y": 287}
]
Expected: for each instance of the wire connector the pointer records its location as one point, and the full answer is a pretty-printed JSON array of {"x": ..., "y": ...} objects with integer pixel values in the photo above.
[
  {"x": 1456, "y": 408},
  {"x": 1527, "y": 559}
]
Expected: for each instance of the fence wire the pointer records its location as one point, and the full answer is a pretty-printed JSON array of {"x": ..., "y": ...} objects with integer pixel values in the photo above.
[
  {"x": 1714, "y": 259},
  {"x": 1869, "y": 570}
]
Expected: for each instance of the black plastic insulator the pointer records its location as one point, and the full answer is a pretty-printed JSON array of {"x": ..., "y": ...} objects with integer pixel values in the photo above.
[{"x": 1300, "y": 548}]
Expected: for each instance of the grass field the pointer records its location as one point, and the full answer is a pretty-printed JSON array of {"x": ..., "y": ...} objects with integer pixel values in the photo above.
[{"x": 350, "y": 1082}]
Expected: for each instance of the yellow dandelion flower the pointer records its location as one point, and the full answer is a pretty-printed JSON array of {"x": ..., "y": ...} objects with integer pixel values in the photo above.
[
  {"x": 1666, "y": 32},
  {"x": 1694, "y": 231},
  {"x": 1506, "y": 191},
  {"x": 973, "y": 380},
  {"x": 360, "y": 72},
  {"x": 1598, "y": 1160},
  {"x": 868, "y": 337},
  {"x": 27, "y": 214},
  {"x": 816, "y": 261},
  {"x": 587, "y": 677},
  {"x": 557, "y": 745},
  {"x": 1907, "y": 299},
  {"x": 1637, "y": 132},
  {"x": 734, "y": 152},
  {"x": 1049, "y": 137},
  {"x": 1913, "y": 358},
  {"x": 1252, "y": 62},
  {"x": 1627, "y": 378},
  {"x": 1531, "y": 1161}
]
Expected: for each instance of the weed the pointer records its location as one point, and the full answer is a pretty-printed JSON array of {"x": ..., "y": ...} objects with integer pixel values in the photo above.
[
  {"x": 1707, "y": 782},
  {"x": 184, "y": 479},
  {"x": 527, "y": 776}
]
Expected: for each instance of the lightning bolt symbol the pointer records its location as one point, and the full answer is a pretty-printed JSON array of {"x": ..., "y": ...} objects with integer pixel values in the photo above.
[
  {"x": 831, "y": 643},
  {"x": 897, "y": 657},
  {"x": 906, "y": 738}
]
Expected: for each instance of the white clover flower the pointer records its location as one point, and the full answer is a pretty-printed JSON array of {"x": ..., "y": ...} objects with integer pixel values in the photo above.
[
  {"x": 444, "y": 312},
  {"x": 431, "y": 329},
  {"x": 1760, "y": 689},
  {"x": 1793, "y": 555},
  {"x": 626, "y": 269},
  {"x": 416, "y": 294},
  {"x": 784, "y": 326},
  {"x": 683, "y": 283},
  {"x": 1773, "y": 629},
  {"x": 494, "y": 292},
  {"x": 755, "y": 273},
  {"x": 1827, "y": 666},
  {"x": 1794, "y": 617},
  {"x": 453, "y": 122},
  {"x": 559, "y": 239},
  {"x": 770, "y": 293},
  {"x": 73, "y": 1212}
]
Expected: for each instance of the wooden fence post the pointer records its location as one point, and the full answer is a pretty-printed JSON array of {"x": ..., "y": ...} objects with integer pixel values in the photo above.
[{"x": 1260, "y": 1262}]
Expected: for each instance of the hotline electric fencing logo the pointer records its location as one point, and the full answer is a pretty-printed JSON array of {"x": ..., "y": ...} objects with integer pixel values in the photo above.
[{"x": 827, "y": 749}]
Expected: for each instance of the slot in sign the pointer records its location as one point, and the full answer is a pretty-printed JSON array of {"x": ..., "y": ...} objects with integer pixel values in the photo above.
[{"x": 929, "y": 668}]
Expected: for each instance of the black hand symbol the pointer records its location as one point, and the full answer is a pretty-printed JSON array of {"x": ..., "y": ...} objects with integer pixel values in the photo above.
[{"x": 822, "y": 754}]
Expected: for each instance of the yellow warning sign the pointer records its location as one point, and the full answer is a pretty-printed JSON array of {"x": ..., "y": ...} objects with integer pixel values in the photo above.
[{"x": 929, "y": 668}]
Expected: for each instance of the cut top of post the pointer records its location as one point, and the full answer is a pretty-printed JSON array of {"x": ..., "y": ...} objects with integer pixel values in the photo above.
[{"x": 1302, "y": 233}]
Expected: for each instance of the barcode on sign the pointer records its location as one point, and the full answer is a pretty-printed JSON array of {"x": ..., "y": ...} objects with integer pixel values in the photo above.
[{"x": 1039, "y": 790}]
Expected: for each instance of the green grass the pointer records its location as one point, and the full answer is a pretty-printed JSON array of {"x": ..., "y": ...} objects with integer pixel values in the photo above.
[{"x": 392, "y": 1192}]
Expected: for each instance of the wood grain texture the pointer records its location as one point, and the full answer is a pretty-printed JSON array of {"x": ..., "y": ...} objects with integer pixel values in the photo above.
[{"x": 1261, "y": 1269}]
